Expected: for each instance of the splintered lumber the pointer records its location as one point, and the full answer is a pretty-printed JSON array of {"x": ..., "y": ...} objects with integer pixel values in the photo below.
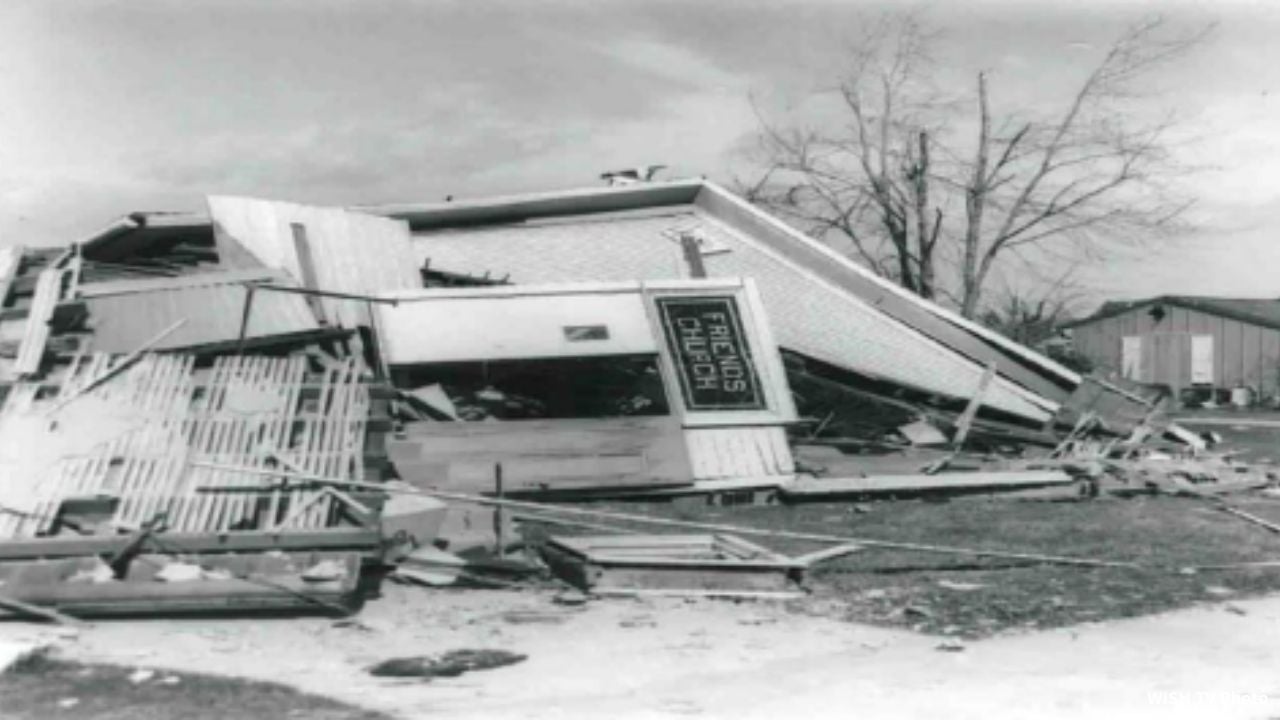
[
  {"x": 713, "y": 527},
  {"x": 36, "y": 334},
  {"x": 810, "y": 489},
  {"x": 134, "y": 431},
  {"x": 971, "y": 410}
]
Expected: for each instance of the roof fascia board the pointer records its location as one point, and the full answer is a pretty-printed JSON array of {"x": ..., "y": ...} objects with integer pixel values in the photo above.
[
  {"x": 518, "y": 208},
  {"x": 907, "y": 308},
  {"x": 561, "y": 289},
  {"x": 178, "y": 282},
  {"x": 502, "y": 209}
]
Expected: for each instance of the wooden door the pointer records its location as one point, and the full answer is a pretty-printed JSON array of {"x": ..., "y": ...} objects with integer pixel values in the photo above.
[
  {"x": 1202, "y": 359},
  {"x": 1131, "y": 358}
]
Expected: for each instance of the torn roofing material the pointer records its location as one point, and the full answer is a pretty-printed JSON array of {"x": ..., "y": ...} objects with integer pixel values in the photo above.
[
  {"x": 966, "y": 336},
  {"x": 322, "y": 248},
  {"x": 811, "y": 313},
  {"x": 124, "y": 314}
]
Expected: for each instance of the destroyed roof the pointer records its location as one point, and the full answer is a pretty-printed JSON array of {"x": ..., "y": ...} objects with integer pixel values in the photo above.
[
  {"x": 1255, "y": 311},
  {"x": 322, "y": 248},
  {"x": 611, "y": 234},
  {"x": 124, "y": 314}
]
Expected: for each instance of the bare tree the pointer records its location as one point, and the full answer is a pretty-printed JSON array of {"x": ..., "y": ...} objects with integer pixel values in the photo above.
[{"x": 891, "y": 181}]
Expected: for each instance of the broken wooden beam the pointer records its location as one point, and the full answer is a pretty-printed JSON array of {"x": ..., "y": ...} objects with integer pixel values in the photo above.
[
  {"x": 883, "y": 485},
  {"x": 36, "y": 611}
]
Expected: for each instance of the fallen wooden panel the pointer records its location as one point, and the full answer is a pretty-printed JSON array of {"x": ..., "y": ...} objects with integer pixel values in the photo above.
[
  {"x": 722, "y": 565},
  {"x": 544, "y": 456},
  {"x": 216, "y": 583},
  {"x": 339, "y": 251},
  {"x": 368, "y": 541},
  {"x": 36, "y": 335},
  {"x": 147, "y": 436},
  {"x": 824, "y": 488}
]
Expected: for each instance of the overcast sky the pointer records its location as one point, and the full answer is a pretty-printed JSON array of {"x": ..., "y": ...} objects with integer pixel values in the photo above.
[{"x": 110, "y": 107}]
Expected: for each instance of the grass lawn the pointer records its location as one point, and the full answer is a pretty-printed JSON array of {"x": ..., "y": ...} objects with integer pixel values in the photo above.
[
  {"x": 910, "y": 589},
  {"x": 41, "y": 687}
]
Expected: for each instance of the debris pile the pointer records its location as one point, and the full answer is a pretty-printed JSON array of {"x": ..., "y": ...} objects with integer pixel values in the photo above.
[{"x": 274, "y": 406}]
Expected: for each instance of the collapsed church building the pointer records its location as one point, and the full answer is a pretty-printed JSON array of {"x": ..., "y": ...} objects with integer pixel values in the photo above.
[{"x": 250, "y": 381}]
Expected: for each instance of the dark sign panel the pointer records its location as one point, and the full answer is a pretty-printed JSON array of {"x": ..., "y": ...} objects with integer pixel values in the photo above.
[{"x": 711, "y": 353}]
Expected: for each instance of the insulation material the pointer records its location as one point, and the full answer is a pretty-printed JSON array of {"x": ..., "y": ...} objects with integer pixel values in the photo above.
[
  {"x": 343, "y": 251},
  {"x": 149, "y": 435}
]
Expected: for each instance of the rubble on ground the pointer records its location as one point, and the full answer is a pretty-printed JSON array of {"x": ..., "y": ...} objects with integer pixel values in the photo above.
[{"x": 276, "y": 407}]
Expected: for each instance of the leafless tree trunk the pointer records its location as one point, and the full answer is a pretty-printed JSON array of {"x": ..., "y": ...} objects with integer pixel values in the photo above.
[{"x": 1068, "y": 184}]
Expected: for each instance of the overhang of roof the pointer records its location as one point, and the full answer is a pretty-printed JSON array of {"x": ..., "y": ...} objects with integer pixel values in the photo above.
[{"x": 1254, "y": 311}]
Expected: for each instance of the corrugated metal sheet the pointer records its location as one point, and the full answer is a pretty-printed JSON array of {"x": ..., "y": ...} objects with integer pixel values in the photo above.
[
  {"x": 126, "y": 314},
  {"x": 807, "y": 315},
  {"x": 351, "y": 252}
]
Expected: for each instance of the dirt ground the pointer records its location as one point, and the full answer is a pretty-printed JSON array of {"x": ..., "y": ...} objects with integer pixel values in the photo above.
[{"x": 664, "y": 657}]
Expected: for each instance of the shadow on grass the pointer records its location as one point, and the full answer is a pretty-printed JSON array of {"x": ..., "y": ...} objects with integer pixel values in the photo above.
[{"x": 40, "y": 686}]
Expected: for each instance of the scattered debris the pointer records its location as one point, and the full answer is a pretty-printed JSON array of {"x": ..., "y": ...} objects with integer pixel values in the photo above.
[
  {"x": 450, "y": 664},
  {"x": 960, "y": 586},
  {"x": 917, "y": 611},
  {"x": 922, "y": 432},
  {"x": 177, "y": 572},
  {"x": 325, "y": 571}
]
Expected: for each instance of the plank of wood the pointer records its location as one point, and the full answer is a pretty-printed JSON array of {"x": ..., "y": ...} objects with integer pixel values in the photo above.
[
  {"x": 831, "y": 553},
  {"x": 10, "y": 263},
  {"x": 36, "y": 333},
  {"x": 36, "y": 611},
  {"x": 726, "y": 593},
  {"x": 1250, "y": 517},
  {"x": 946, "y": 482},
  {"x": 965, "y": 421}
]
